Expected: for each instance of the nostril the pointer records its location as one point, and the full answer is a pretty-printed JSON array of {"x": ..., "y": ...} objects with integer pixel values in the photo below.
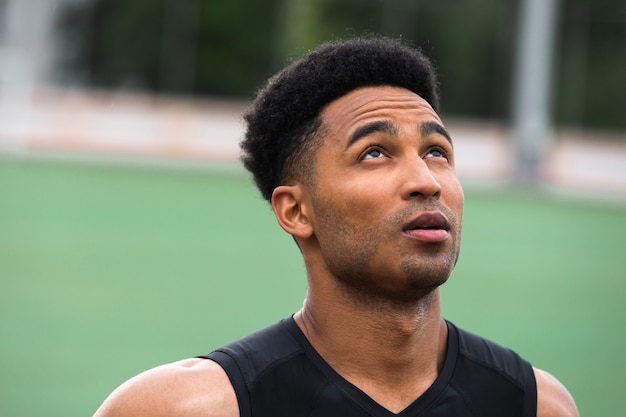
[{"x": 420, "y": 194}]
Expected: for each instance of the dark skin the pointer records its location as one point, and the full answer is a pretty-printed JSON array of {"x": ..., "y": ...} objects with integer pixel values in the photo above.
[{"x": 379, "y": 230}]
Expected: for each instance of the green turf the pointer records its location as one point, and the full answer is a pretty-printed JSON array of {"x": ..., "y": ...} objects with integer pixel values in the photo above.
[{"x": 107, "y": 272}]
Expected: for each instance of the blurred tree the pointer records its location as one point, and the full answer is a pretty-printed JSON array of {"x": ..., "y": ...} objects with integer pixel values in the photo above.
[
  {"x": 298, "y": 32},
  {"x": 235, "y": 46},
  {"x": 212, "y": 47},
  {"x": 472, "y": 44},
  {"x": 117, "y": 42},
  {"x": 193, "y": 46},
  {"x": 591, "y": 78},
  {"x": 178, "y": 52}
]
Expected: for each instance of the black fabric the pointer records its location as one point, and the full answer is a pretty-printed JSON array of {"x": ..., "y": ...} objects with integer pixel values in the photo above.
[{"x": 277, "y": 373}]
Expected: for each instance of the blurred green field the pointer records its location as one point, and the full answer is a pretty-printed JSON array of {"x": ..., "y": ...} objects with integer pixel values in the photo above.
[{"x": 105, "y": 272}]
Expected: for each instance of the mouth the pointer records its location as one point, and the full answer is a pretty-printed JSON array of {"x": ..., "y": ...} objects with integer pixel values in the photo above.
[{"x": 430, "y": 227}]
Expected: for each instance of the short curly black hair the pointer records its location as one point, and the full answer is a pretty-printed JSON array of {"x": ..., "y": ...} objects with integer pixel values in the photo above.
[{"x": 283, "y": 120}]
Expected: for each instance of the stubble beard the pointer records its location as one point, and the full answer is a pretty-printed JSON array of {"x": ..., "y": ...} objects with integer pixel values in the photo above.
[{"x": 350, "y": 255}]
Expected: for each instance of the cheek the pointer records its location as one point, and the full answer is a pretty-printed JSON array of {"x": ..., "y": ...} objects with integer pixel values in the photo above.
[
  {"x": 455, "y": 201},
  {"x": 348, "y": 222},
  {"x": 460, "y": 202},
  {"x": 362, "y": 205},
  {"x": 354, "y": 198},
  {"x": 454, "y": 193}
]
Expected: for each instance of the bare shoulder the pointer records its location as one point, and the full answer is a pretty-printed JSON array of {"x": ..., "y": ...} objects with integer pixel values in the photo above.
[
  {"x": 553, "y": 399},
  {"x": 190, "y": 388}
]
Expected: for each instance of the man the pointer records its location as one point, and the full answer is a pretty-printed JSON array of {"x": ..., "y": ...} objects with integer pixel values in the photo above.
[{"x": 348, "y": 148}]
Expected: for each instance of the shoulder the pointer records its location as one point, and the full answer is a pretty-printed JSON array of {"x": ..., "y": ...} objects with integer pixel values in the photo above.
[
  {"x": 496, "y": 357},
  {"x": 193, "y": 387},
  {"x": 553, "y": 399}
]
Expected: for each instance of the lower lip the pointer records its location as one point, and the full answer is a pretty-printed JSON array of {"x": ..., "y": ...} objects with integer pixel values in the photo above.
[{"x": 428, "y": 235}]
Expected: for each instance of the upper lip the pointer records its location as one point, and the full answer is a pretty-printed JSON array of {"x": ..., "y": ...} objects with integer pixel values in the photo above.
[{"x": 428, "y": 220}]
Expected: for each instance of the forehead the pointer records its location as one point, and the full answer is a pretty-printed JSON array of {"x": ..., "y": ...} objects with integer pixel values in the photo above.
[{"x": 376, "y": 103}]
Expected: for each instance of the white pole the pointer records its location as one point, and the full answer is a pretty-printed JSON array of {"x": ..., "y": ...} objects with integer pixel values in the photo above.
[{"x": 532, "y": 88}]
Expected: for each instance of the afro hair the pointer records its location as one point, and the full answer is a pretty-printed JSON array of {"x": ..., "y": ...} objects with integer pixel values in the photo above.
[{"x": 283, "y": 119}]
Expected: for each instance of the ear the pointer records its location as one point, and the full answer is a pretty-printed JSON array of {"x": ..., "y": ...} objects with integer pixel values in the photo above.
[{"x": 291, "y": 210}]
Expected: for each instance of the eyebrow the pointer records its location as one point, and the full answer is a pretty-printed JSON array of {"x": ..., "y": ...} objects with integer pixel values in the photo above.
[
  {"x": 428, "y": 128},
  {"x": 381, "y": 126},
  {"x": 384, "y": 126}
]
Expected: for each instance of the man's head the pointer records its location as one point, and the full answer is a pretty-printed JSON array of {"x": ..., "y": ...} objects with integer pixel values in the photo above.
[
  {"x": 283, "y": 122},
  {"x": 347, "y": 146}
]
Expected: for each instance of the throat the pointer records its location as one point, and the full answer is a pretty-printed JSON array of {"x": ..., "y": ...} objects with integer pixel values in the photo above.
[
  {"x": 395, "y": 385},
  {"x": 394, "y": 361}
]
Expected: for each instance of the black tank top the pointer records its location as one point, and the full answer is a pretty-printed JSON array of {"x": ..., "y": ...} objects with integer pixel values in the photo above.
[{"x": 276, "y": 372}]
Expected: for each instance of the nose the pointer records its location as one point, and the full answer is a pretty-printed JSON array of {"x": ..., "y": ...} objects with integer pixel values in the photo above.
[{"x": 418, "y": 181}]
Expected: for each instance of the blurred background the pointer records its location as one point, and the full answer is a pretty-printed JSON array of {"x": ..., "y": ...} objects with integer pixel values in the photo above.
[{"x": 130, "y": 236}]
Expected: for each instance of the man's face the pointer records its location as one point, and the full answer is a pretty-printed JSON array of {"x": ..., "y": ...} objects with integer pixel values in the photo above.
[{"x": 387, "y": 201}]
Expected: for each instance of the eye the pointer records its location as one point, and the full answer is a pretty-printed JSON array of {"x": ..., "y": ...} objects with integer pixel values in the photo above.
[
  {"x": 373, "y": 153},
  {"x": 436, "y": 153}
]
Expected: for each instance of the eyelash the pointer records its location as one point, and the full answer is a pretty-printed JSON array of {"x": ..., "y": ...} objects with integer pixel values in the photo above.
[
  {"x": 371, "y": 148},
  {"x": 363, "y": 156},
  {"x": 444, "y": 153}
]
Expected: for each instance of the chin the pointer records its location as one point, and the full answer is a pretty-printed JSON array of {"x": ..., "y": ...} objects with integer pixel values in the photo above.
[{"x": 433, "y": 274}]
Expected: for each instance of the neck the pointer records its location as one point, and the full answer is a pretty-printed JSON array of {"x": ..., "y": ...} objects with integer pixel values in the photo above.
[
  {"x": 391, "y": 350},
  {"x": 384, "y": 328}
]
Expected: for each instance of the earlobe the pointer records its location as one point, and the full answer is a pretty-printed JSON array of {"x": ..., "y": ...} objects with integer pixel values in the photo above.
[{"x": 287, "y": 203}]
